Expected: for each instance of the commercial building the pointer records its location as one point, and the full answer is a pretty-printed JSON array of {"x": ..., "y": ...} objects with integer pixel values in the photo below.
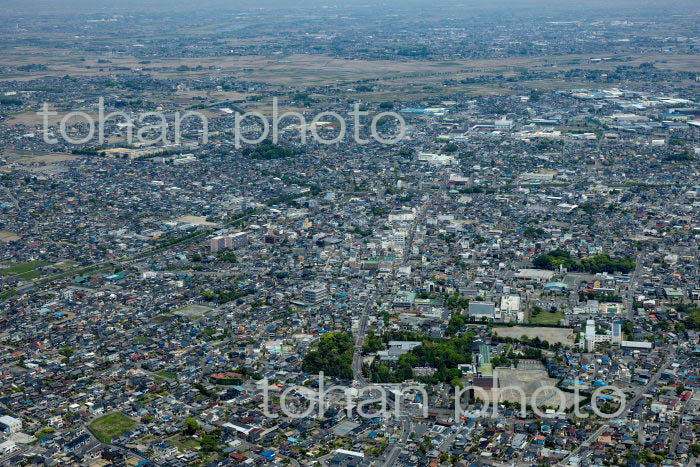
[
  {"x": 404, "y": 299},
  {"x": 480, "y": 310},
  {"x": 314, "y": 294},
  {"x": 503, "y": 124},
  {"x": 457, "y": 180}
]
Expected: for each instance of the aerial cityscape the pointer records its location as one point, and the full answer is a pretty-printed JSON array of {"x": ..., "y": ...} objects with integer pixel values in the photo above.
[{"x": 403, "y": 233}]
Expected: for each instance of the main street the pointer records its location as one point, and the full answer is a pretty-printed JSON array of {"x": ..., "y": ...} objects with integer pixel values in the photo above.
[
  {"x": 358, "y": 377},
  {"x": 633, "y": 287}
]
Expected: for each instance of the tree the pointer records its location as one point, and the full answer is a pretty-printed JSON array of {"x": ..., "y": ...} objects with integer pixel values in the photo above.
[
  {"x": 628, "y": 328},
  {"x": 450, "y": 147},
  {"x": 373, "y": 344},
  {"x": 191, "y": 426}
]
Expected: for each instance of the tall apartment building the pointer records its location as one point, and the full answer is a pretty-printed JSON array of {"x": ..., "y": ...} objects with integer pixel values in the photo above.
[
  {"x": 617, "y": 332},
  {"x": 236, "y": 240},
  {"x": 590, "y": 335},
  {"x": 217, "y": 244}
]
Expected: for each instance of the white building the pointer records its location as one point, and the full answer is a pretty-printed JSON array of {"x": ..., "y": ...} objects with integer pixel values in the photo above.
[
  {"x": 398, "y": 237},
  {"x": 236, "y": 240},
  {"x": 435, "y": 159},
  {"x": 183, "y": 159},
  {"x": 314, "y": 294},
  {"x": 480, "y": 310},
  {"x": 10, "y": 424},
  {"x": 510, "y": 307},
  {"x": 503, "y": 124},
  {"x": 590, "y": 335},
  {"x": 616, "y": 333}
]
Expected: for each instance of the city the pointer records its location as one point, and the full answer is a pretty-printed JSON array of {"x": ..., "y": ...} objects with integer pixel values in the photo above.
[{"x": 350, "y": 235}]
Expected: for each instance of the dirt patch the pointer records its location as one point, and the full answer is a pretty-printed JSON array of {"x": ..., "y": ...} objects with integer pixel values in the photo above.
[
  {"x": 530, "y": 380},
  {"x": 564, "y": 336},
  {"x": 196, "y": 220},
  {"x": 6, "y": 236}
]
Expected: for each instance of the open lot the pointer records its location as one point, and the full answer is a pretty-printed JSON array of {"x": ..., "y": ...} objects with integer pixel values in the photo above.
[
  {"x": 193, "y": 311},
  {"x": 197, "y": 220},
  {"x": 530, "y": 380},
  {"x": 111, "y": 426},
  {"x": 7, "y": 236},
  {"x": 545, "y": 317},
  {"x": 36, "y": 162},
  {"x": 167, "y": 374},
  {"x": 564, "y": 336}
]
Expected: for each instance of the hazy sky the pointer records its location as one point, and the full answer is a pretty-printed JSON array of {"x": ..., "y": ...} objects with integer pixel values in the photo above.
[{"x": 15, "y": 7}]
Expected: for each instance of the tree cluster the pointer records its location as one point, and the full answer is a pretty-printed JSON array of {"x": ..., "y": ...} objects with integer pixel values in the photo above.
[
  {"x": 444, "y": 355},
  {"x": 332, "y": 355},
  {"x": 267, "y": 150},
  {"x": 595, "y": 264}
]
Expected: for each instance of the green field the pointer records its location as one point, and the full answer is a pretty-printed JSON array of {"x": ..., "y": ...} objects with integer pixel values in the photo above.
[
  {"x": 111, "y": 426},
  {"x": 545, "y": 317},
  {"x": 23, "y": 269},
  {"x": 167, "y": 374},
  {"x": 7, "y": 293},
  {"x": 29, "y": 275}
]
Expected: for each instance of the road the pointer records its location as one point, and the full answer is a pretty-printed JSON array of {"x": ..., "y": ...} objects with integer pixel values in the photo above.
[
  {"x": 11, "y": 196},
  {"x": 677, "y": 434},
  {"x": 362, "y": 326},
  {"x": 445, "y": 445},
  {"x": 407, "y": 429},
  {"x": 412, "y": 232},
  {"x": 633, "y": 288},
  {"x": 22, "y": 450}
]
